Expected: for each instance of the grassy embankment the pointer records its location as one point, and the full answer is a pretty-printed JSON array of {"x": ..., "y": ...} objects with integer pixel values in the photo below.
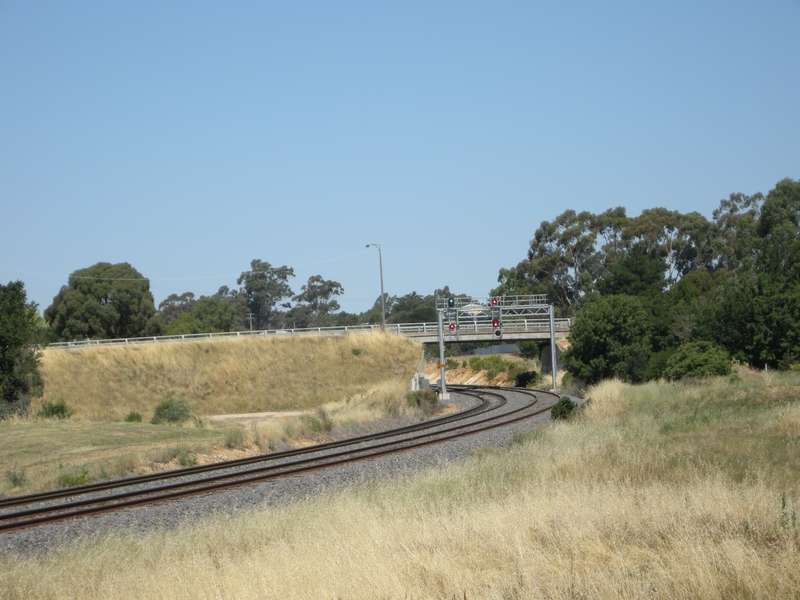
[
  {"x": 354, "y": 379},
  {"x": 686, "y": 491}
]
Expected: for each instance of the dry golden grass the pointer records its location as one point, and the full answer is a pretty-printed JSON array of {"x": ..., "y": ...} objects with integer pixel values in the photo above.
[
  {"x": 630, "y": 500},
  {"x": 224, "y": 375},
  {"x": 355, "y": 378}
]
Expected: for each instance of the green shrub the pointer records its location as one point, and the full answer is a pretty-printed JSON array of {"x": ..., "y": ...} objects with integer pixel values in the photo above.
[
  {"x": 324, "y": 418},
  {"x": 133, "y": 417},
  {"x": 74, "y": 476},
  {"x": 526, "y": 378},
  {"x": 54, "y": 410},
  {"x": 421, "y": 397},
  {"x": 16, "y": 477},
  {"x": 356, "y": 351},
  {"x": 425, "y": 400},
  {"x": 6, "y": 410},
  {"x": 697, "y": 359},
  {"x": 186, "y": 458},
  {"x": 529, "y": 350},
  {"x": 318, "y": 422},
  {"x": 171, "y": 411},
  {"x": 494, "y": 365},
  {"x": 234, "y": 438},
  {"x": 566, "y": 380},
  {"x": 311, "y": 423},
  {"x": 562, "y": 409}
]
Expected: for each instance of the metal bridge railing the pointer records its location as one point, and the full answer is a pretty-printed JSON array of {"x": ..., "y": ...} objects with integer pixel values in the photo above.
[{"x": 410, "y": 329}]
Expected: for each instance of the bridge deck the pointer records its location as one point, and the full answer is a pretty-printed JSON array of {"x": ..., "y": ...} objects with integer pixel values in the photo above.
[{"x": 426, "y": 333}]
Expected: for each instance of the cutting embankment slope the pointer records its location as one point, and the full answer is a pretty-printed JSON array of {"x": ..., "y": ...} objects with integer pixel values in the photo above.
[{"x": 225, "y": 375}]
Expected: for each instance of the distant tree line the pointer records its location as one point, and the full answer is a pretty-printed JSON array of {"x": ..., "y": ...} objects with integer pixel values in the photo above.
[
  {"x": 657, "y": 295},
  {"x": 643, "y": 287},
  {"x": 108, "y": 301}
]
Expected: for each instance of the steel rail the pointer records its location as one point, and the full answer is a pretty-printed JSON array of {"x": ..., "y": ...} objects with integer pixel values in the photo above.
[
  {"x": 48, "y": 514},
  {"x": 232, "y": 476},
  {"x": 165, "y": 476},
  {"x": 484, "y": 406}
]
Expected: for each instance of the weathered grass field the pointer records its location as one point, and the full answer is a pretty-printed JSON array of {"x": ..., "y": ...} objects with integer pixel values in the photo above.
[
  {"x": 657, "y": 491},
  {"x": 233, "y": 375},
  {"x": 354, "y": 379}
]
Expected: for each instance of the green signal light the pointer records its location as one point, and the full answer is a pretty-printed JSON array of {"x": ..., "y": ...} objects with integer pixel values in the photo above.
[{"x": 451, "y": 302}]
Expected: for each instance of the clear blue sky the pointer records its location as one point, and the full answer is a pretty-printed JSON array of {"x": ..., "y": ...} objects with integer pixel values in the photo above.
[{"x": 188, "y": 138}]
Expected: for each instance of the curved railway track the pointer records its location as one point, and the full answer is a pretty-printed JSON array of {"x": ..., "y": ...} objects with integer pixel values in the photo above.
[{"x": 492, "y": 410}]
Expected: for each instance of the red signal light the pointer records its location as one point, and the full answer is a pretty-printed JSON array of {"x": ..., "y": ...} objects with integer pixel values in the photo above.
[
  {"x": 494, "y": 301},
  {"x": 495, "y": 323},
  {"x": 452, "y": 326}
]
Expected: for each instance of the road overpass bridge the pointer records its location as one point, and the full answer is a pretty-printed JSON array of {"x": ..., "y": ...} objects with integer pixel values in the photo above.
[
  {"x": 512, "y": 330},
  {"x": 463, "y": 319}
]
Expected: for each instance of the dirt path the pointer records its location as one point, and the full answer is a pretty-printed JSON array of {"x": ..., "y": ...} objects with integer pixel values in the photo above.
[{"x": 249, "y": 417}]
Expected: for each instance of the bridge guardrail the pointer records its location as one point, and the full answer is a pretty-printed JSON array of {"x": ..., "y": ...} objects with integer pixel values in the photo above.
[{"x": 398, "y": 328}]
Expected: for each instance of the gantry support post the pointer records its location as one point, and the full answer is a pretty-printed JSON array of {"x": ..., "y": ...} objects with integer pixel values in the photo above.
[
  {"x": 442, "y": 382},
  {"x": 553, "y": 346}
]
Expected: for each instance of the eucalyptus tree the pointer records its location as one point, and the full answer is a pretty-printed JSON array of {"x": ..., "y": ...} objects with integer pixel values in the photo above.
[
  {"x": 104, "y": 301},
  {"x": 264, "y": 288},
  {"x": 317, "y": 301}
]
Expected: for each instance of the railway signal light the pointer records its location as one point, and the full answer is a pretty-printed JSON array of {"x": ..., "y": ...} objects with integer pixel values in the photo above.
[
  {"x": 496, "y": 324},
  {"x": 451, "y": 302},
  {"x": 452, "y": 326},
  {"x": 495, "y": 301}
]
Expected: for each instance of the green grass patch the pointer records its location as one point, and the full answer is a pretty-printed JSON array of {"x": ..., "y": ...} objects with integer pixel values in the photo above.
[{"x": 37, "y": 448}]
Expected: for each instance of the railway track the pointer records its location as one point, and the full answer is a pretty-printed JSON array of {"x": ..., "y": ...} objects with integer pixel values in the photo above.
[{"x": 492, "y": 409}]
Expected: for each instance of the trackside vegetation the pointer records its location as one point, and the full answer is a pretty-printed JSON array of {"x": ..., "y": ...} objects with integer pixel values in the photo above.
[
  {"x": 677, "y": 491},
  {"x": 641, "y": 288},
  {"x": 20, "y": 351}
]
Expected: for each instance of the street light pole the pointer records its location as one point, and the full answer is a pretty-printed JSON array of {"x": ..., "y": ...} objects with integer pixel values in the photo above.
[{"x": 383, "y": 303}]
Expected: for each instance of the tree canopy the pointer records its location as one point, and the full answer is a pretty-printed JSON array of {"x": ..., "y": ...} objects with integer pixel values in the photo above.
[
  {"x": 264, "y": 289},
  {"x": 729, "y": 285},
  {"x": 316, "y": 303},
  {"x": 104, "y": 301},
  {"x": 19, "y": 350}
]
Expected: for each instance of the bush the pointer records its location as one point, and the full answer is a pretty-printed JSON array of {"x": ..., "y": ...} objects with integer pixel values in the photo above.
[
  {"x": 425, "y": 400},
  {"x": 529, "y": 350},
  {"x": 562, "y": 409},
  {"x": 16, "y": 477},
  {"x": 610, "y": 338},
  {"x": 186, "y": 458},
  {"x": 526, "y": 378},
  {"x": 73, "y": 477},
  {"x": 494, "y": 365},
  {"x": 318, "y": 422},
  {"x": 133, "y": 417},
  {"x": 697, "y": 359},
  {"x": 234, "y": 438},
  {"x": 54, "y": 410},
  {"x": 171, "y": 411},
  {"x": 6, "y": 410}
]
